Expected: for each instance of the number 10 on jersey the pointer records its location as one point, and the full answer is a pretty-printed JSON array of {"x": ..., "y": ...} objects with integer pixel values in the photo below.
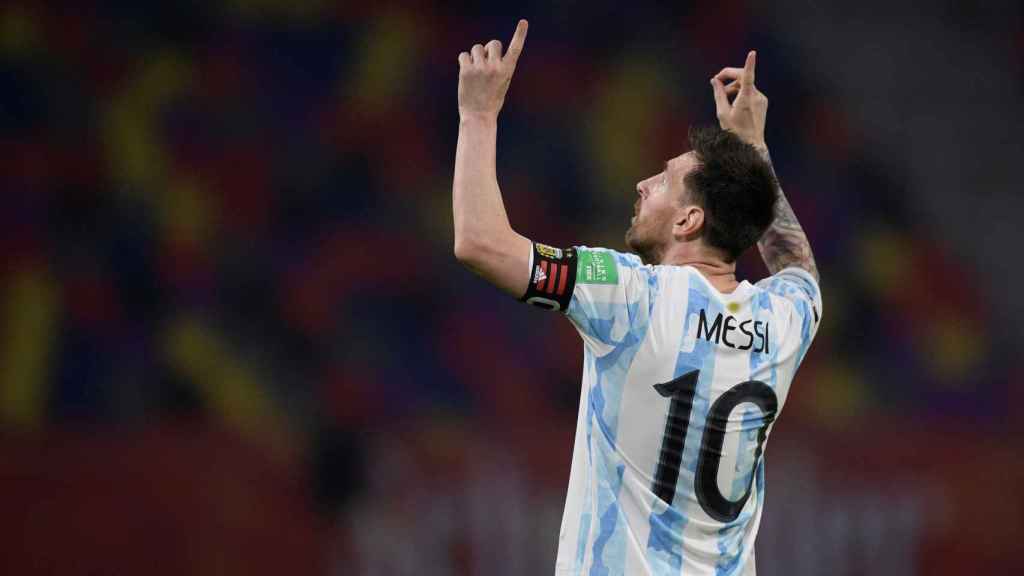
[{"x": 681, "y": 393}]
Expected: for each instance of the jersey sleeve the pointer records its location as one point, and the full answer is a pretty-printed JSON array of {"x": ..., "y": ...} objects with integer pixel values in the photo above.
[
  {"x": 607, "y": 295},
  {"x": 802, "y": 290}
]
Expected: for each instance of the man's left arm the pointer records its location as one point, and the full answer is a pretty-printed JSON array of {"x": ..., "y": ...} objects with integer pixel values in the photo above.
[{"x": 784, "y": 244}]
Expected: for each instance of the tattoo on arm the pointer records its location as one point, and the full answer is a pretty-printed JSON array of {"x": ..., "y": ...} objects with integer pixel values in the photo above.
[{"x": 784, "y": 243}]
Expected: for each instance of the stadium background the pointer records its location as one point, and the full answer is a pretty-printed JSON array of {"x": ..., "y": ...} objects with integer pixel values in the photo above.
[{"x": 234, "y": 340}]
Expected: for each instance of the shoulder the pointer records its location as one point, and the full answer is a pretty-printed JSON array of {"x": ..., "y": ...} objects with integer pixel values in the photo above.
[
  {"x": 797, "y": 292},
  {"x": 620, "y": 259},
  {"x": 606, "y": 266},
  {"x": 793, "y": 284}
]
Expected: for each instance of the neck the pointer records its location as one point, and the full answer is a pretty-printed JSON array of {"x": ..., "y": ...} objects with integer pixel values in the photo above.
[{"x": 721, "y": 274}]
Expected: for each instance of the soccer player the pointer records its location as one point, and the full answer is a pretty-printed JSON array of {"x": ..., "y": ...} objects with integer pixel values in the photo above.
[{"x": 685, "y": 369}]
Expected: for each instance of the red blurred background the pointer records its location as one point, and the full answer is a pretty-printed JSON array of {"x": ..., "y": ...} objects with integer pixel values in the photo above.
[{"x": 234, "y": 339}]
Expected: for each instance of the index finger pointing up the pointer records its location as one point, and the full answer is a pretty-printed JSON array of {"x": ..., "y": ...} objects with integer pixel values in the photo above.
[
  {"x": 748, "y": 69},
  {"x": 515, "y": 47}
]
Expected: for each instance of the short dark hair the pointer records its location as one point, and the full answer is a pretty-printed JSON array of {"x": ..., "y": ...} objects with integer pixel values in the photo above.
[{"x": 736, "y": 187}]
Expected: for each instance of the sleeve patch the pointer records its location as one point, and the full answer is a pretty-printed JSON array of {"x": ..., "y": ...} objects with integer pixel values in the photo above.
[{"x": 596, "y": 268}]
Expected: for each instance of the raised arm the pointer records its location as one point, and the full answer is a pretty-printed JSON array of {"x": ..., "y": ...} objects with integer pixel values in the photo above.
[
  {"x": 484, "y": 240},
  {"x": 784, "y": 244}
]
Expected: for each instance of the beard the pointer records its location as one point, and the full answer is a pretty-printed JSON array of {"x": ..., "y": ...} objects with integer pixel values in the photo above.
[{"x": 644, "y": 243}]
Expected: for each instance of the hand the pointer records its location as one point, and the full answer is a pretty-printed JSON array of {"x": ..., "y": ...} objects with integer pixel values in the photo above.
[
  {"x": 484, "y": 75},
  {"x": 745, "y": 117}
]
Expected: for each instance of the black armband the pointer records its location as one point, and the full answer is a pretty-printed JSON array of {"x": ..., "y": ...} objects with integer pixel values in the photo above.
[{"x": 552, "y": 277}]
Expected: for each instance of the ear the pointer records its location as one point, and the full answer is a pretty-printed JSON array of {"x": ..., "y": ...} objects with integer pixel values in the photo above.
[{"x": 689, "y": 223}]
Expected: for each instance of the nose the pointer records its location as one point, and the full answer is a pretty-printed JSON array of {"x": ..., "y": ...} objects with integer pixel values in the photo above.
[{"x": 641, "y": 188}]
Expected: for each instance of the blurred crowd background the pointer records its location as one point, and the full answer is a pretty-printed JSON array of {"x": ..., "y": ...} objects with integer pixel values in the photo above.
[{"x": 234, "y": 339}]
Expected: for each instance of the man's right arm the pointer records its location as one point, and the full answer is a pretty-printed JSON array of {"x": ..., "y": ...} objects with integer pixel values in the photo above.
[
  {"x": 784, "y": 243},
  {"x": 484, "y": 240}
]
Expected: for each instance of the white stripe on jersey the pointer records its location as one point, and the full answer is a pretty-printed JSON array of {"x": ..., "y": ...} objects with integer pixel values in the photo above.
[{"x": 643, "y": 326}]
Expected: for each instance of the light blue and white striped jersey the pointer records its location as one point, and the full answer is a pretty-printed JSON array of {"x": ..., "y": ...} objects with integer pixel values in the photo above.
[{"x": 681, "y": 385}]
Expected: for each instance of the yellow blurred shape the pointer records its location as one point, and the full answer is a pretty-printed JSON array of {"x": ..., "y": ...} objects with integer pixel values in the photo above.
[
  {"x": 19, "y": 31},
  {"x": 623, "y": 125},
  {"x": 230, "y": 387},
  {"x": 30, "y": 324},
  {"x": 186, "y": 212},
  {"x": 886, "y": 260},
  {"x": 953, "y": 347},
  {"x": 839, "y": 394},
  {"x": 135, "y": 157},
  {"x": 387, "y": 60}
]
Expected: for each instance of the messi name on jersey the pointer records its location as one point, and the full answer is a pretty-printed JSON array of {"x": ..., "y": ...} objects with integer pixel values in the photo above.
[{"x": 751, "y": 334}]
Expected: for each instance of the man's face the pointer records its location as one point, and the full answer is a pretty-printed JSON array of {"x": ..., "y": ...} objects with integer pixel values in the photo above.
[{"x": 659, "y": 199}]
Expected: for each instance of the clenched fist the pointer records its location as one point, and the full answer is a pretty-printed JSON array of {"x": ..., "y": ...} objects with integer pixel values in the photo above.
[
  {"x": 745, "y": 116},
  {"x": 484, "y": 75}
]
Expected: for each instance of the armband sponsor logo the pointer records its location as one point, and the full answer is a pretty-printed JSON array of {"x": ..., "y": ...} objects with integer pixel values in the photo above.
[
  {"x": 539, "y": 275},
  {"x": 549, "y": 251},
  {"x": 596, "y": 268}
]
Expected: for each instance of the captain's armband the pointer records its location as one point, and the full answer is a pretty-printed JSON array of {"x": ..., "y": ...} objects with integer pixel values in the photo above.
[{"x": 552, "y": 277}]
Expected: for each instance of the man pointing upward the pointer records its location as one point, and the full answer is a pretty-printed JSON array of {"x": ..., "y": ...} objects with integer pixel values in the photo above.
[{"x": 685, "y": 368}]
